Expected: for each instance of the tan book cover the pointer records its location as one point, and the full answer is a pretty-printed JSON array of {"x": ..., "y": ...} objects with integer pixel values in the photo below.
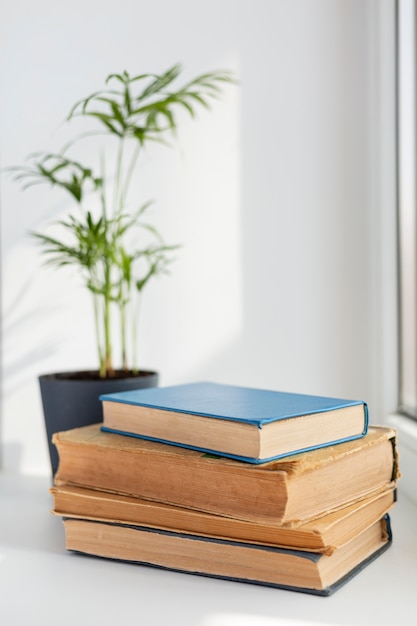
[
  {"x": 308, "y": 572},
  {"x": 289, "y": 490},
  {"x": 325, "y": 534}
]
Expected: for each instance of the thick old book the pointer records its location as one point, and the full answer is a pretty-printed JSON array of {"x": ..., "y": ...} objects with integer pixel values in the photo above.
[
  {"x": 288, "y": 490},
  {"x": 308, "y": 572},
  {"x": 325, "y": 534},
  {"x": 254, "y": 425}
]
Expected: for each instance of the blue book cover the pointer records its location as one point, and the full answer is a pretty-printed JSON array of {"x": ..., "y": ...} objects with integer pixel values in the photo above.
[
  {"x": 327, "y": 418},
  {"x": 225, "y": 559}
]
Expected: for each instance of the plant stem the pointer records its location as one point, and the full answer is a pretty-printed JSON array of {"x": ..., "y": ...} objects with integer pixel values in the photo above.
[
  {"x": 107, "y": 320},
  {"x": 122, "y": 302},
  {"x": 98, "y": 341},
  {"x": 105, "y": 351},
  {"x": 102, "y": 187},
  {"x": 123, "y": 333},
  {"x": 107, "y": 339},
  {"x": 135, "y": 322},
  {"x": 118, "y": 194},
  {"x": 130, "y": 170}
]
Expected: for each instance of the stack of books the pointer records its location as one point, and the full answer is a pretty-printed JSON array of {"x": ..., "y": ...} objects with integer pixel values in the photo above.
[{"x": 286, "y": 490}]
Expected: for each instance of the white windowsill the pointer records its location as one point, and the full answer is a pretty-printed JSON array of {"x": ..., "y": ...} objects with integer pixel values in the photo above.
[{"x": 57, "y": 586}]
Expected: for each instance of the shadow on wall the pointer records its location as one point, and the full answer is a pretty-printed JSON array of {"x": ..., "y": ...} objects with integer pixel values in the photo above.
[
  {"x": 21, "y": 345},
  {"x": 11, "y": 455}
]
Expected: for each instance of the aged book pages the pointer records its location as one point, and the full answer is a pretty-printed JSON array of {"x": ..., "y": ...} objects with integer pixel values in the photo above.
[
  {"x": 324, "y": 534},
  {"x": 285, "y": 491},
  {"x": 300, "y": 571},
  {"x": 254, "y": 425}
]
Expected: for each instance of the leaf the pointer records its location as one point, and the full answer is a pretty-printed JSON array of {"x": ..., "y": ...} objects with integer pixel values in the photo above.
[
  {"x": 187, "y": 106},
  {"x": 139, "y": 133},
  {"x": 198, "y": 98},
  {"x": 127, "y": 100},
  {"x": 160, "y": 82},
  {"x": 107, "y": 121},
  {"x": 120, "y": 77},
  {"x": 127, "y": 221},
  {"x": 117, "y": 114},
  {"x": 84, "y": 102},
  {"x": 151, "y": 229}
]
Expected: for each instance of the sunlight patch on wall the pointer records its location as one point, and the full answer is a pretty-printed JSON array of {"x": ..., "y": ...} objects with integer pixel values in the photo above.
[{"x": 207, "y": 282}]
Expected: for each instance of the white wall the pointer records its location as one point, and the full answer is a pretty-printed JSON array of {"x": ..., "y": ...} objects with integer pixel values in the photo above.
[{"x": 282, "y": 197}]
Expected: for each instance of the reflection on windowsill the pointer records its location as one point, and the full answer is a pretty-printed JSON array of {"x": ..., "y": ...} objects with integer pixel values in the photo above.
[{"x": 236, "y": 619}]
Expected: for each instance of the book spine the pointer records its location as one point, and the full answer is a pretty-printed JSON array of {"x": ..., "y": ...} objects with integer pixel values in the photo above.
[{"x": 253, "y": 495}]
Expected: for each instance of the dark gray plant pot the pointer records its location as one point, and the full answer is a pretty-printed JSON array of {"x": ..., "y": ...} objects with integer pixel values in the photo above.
[{"x": 70, "y": 400}]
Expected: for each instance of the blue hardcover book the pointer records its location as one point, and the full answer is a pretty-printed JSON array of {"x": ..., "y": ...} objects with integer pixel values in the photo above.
[
  {"x": 247, "y": 424},
  {"x": 295, "y": 570}
]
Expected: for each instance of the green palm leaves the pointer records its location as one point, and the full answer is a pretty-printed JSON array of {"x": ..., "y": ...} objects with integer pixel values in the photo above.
[
  {"x": 144, "y": 107},
  {"x": 57, "y": 170},
  {"x": 116, "y": 250}
]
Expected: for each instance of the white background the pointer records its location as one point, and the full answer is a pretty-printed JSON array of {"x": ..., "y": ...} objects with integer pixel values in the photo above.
[{"x": 282, "y": 196}]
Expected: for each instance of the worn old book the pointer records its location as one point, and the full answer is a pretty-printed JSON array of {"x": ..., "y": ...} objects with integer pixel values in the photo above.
[
  {"x": 325, "y": 534},
  {"x": 254, "y": 425},
  {"x": 289, "y": 490},
  {"x": 308, "y": 572}
]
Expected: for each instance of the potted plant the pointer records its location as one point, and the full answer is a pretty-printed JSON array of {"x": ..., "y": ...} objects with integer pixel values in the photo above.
[{"x": 110, "y": 242}]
